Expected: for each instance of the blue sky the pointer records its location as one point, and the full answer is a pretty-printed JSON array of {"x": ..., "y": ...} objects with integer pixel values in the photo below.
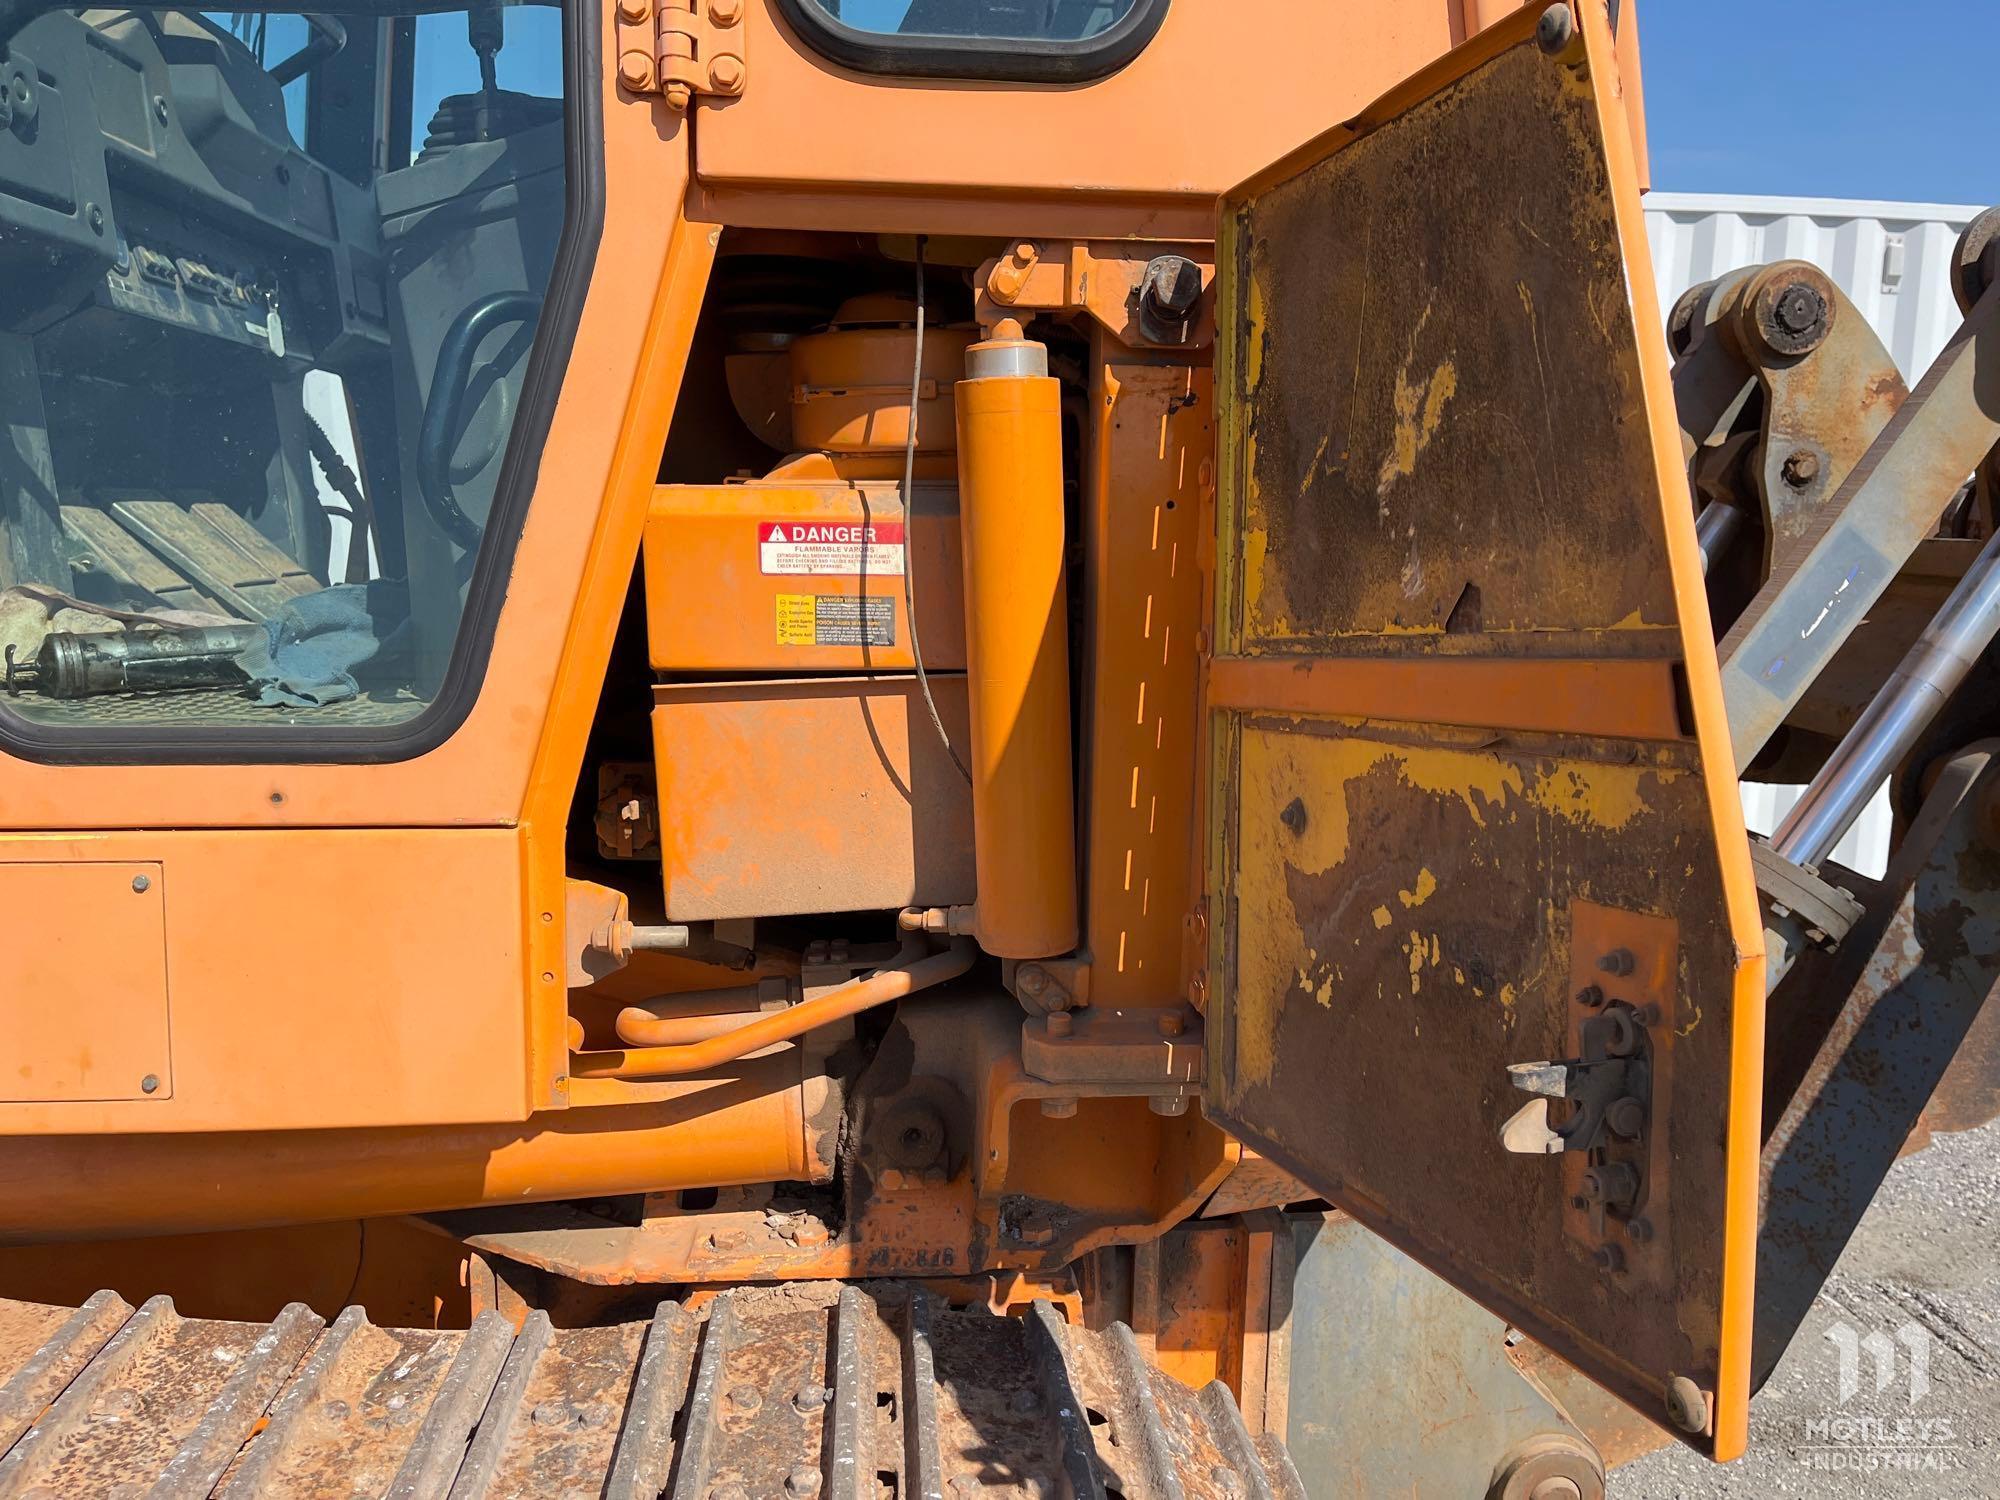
[{"x": 1823, "y": 98}]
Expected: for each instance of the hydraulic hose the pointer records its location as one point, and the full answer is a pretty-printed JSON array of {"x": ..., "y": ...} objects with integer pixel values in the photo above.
[{"x": 646, "y": 1058}]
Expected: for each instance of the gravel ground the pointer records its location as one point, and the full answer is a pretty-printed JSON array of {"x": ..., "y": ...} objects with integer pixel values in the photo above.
[{"x": 1928, "y": 1253}]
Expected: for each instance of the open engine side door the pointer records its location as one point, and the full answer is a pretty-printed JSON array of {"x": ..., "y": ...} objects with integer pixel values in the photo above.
[{"x": 1471, "y": 799}]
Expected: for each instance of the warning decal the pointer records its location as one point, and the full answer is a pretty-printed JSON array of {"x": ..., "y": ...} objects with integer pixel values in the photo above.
[
  {"x": 835, "y": 620},
  {"x": 849, "y": 547}
]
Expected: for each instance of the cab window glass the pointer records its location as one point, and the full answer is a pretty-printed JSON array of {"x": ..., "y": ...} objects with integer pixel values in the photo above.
[
  {"x": 1042, "y": 20},
  {"x": 268, "y": 287}
]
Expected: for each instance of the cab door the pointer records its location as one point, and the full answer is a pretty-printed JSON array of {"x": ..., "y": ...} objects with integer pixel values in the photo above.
[{"x": 1484, "y": 961}]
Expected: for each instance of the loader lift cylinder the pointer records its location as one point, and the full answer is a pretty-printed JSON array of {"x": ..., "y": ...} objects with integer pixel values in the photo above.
[{"x": 1898, "y": 715}]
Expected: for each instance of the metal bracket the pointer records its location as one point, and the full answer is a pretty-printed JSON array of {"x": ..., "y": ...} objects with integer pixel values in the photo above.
[{"x": 681, "y": 48}]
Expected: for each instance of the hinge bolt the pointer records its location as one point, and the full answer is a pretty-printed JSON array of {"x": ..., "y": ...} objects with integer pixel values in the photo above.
[
  {"x": 726, "y": 73},
  {"x": 635, "y": 72}
]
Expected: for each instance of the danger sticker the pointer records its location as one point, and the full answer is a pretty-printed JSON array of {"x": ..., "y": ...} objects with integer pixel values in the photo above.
[
  {"x": 835, "y": 620},
  {"x": 846, "y": 547}
]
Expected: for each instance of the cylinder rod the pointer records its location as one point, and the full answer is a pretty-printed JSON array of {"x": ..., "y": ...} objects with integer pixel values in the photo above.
[
  {"x": 1898, "y": 716},
  {"x": 1715, "y": 529}
]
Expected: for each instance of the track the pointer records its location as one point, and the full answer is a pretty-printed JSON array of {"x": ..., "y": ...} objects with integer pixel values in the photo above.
[{"x": 788, "y": 1391}]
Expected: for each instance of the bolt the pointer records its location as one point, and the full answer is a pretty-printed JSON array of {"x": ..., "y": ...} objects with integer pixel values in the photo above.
[
  {"x": 150, "y": 1084},
  {"x": 1171, "y": 1023},
  {"x": 802, "y": 1481},
  {"x": 141, "y": 884},
  {"x": 1059, "y": 1109},
  {"x": 553, "y": 1414},
  {"x": 1172, "y": 286},
  {"x": 726, "y": 72},
  {"x": 1801, "y": 468},
  {"x": 96, "y": 216},
  {"x": 635, "y": 71},
  {"x": 745, "y": 1397},
  {"x": 1687, "y": 1404},
  {"x": 1590, "y": 997},
  {"x": 160, "y": 108},
  {"x": 1618, "y": 962},
  {"x": 1170, "y": 1105},
  {"x": 725, "y": 12},
  {"x": 634, "y": 11},
  {"x": 284, "y": 172},
  {"x": 1626, "y": 1117},
  {"x": 1555, "y": 30},
  {"x": 1031, "y": 980},
  {"x": 1609, "y": 1258},
  {"x": 1640, "y": 1231},
  {"x": 1058, "y": 1023},
  {"x": 1578, "y": 1201},
  {"x": 890, "y": 1179},
  {"x": 810, "y": 1396}
]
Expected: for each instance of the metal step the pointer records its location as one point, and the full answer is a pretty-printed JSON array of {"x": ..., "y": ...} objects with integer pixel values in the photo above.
[{"x": 873, "y": 1391}]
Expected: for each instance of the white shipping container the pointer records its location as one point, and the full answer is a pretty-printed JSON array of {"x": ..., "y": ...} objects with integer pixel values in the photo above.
[{"x": 1893, "y": 260}]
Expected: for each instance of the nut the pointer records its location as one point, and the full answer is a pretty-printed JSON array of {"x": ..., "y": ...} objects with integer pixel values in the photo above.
[
  {"x": 745, "y": 1397},
  {"x": 1619, "y": 962},
  {"x": 726, "y": 72},
  {"x": 1591, "y": 996},
  {"x": 802, "y": 1481},
  {"x": 1801, "y": 468},
  {"x": 635, "y": 71},
  {"x": 1058, "y": 1023}
]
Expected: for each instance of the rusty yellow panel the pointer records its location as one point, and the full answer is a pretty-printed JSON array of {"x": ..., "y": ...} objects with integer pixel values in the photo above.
[{"x": 1447, "y": 441}]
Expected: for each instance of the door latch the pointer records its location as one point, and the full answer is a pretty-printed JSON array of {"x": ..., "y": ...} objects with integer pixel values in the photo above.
[{"x": 1610, "y": 1084}]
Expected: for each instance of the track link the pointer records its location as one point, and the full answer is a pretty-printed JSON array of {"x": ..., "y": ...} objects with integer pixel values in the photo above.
[{"x": 854, "y": 1392}]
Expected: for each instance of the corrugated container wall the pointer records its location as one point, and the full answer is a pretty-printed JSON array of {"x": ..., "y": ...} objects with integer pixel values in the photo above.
[{"x": 1893, "y": 260}]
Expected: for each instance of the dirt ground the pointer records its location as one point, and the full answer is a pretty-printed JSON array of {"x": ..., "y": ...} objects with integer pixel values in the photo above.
[{"x": 1923, "y": 1272}]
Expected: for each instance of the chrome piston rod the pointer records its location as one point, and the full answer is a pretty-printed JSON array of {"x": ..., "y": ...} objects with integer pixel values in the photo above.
[
  {"x": 1718, "y": 525},
  {"x": 1899, "y": 714}
]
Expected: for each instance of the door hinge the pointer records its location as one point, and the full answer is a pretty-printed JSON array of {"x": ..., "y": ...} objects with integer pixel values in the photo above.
[{"x": 680, "y": 48}]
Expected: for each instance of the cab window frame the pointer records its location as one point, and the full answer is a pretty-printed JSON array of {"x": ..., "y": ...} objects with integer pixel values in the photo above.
[
  {"x": 976, "y": 58},
  {"x": 164, "y": 742}
]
